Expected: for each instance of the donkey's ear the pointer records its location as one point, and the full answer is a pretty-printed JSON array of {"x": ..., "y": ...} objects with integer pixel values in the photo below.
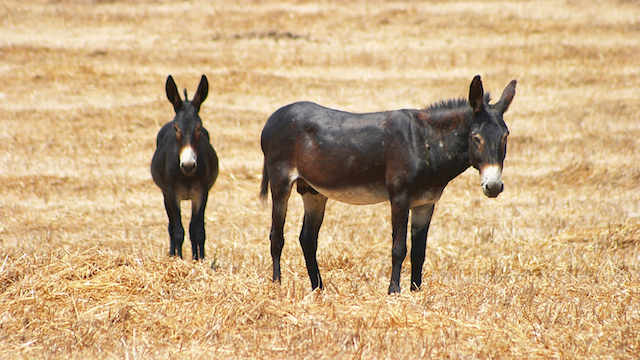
[
  {"x": 172, "y": 93},
  {"x": 201, "y": 94},
  {"x": 476, "y": 95},
  {"x": 507, "y": 95}
]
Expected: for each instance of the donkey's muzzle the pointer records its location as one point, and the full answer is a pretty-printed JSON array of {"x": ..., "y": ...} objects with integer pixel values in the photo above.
[
  {"x": 493, "y": 189},
  {"x": 492, "y": 184},
  {"x": 188, "y": 161},
  {"x": 188, "y": 168}
]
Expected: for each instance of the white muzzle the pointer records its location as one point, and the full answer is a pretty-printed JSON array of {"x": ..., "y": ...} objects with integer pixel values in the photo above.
[
  {"x": 491, "y": 181},
  {"x": 188, "y": 160}
]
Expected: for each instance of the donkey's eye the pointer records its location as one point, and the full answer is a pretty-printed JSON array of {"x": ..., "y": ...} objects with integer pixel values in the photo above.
[
  {"x": 176, "y": 128},
  {"x": 477, "y": 139}
]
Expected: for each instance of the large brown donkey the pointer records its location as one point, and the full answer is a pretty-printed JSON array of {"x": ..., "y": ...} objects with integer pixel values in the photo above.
[
  {"x": 406, "y": 157},
  {"x": 185, "y": 166}
]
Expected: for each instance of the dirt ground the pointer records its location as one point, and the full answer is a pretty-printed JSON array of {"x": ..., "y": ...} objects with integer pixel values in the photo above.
[{"x": 549, "y": 269}]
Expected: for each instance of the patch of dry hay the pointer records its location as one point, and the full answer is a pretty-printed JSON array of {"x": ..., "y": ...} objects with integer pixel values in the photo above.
[
  {"x": 548, "y": 270},
  {"x": 105, "y": 302}
]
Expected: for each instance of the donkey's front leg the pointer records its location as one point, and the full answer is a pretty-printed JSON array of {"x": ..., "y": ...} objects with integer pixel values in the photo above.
[
  {"x": 399, "y": 219},
  {"x": 420, "y": 220},
  {"x": 176, "y": 231},
  {"x": 196, "y": 228}
]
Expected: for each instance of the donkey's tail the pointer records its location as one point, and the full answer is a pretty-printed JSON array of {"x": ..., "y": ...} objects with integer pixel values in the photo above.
[{"x": 264, "y": 187}]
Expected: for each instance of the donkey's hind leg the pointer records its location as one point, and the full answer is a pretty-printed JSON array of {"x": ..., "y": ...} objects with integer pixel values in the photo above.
[
  {"x": 314, "y": 206},
  {"x": 280, "y": 192},
  {"x": 196, "y": 228}
]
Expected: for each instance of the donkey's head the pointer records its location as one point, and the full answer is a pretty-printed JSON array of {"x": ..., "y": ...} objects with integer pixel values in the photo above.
[
  {"x": 488, "y": 139},
  {"x": 187, "y": 123}
]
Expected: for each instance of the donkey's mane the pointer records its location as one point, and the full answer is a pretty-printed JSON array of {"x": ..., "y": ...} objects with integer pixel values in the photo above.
[{"x": 453, "y": 104}]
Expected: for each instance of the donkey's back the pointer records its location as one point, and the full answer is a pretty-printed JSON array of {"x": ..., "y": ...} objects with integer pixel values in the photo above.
[{"x": 337, "y": 153}]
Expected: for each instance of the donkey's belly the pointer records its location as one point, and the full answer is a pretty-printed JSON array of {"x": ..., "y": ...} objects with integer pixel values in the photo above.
[
  {"x": 364, "y": 195},
  {"x": 356, "y": 195},
  {"x": 187, "y": 192}
]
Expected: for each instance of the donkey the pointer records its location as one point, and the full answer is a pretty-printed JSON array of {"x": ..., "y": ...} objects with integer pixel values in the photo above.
[
  {"x": 405, "y": 156},
  {"x": 185, "y": 166}
]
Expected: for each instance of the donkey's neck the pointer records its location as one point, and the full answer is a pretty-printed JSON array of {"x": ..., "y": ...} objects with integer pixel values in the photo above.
[{"x": 447, "y": 133}]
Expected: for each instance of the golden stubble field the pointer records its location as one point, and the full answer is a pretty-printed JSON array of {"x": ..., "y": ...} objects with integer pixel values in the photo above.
[{"x": 550, "y": 269}]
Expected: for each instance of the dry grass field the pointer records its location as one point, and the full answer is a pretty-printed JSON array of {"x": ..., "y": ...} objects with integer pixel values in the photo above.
[{"x": 550, "y": 269}]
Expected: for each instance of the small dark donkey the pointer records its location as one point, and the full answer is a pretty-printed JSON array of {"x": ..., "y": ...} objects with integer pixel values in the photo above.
[
  {"x": 185, "y": 166},
  {"x": 406, "y": 157}
]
